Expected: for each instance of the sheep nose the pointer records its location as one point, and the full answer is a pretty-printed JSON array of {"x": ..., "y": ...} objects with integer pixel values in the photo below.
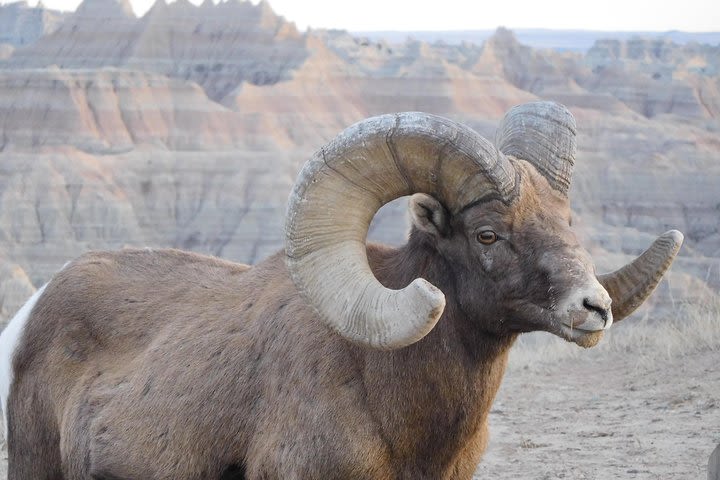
[{"x": 600, "y": 304}]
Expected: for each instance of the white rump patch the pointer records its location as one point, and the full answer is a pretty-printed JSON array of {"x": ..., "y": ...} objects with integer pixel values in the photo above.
[{"x": 9, "y": 340}]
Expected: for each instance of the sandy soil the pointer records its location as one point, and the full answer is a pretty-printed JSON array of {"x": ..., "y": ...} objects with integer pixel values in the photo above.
[{"x": 600, "y": 417}]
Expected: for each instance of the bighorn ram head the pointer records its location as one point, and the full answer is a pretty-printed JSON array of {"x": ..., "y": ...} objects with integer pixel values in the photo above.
[{"x": 499, "y": 216}]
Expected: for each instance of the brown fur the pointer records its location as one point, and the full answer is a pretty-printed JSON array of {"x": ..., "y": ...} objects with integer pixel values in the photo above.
[{"x": 161, "y": 364}]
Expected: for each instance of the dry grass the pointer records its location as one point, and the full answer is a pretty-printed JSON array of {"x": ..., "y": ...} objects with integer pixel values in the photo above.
[{"x": 684, "y": 329}]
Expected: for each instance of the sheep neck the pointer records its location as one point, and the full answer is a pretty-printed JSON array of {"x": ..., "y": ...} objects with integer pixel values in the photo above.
[{"x": 433, "y": 397}]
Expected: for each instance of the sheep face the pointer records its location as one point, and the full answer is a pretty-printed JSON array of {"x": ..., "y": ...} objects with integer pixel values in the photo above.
[{"x": 518, "y": 267}]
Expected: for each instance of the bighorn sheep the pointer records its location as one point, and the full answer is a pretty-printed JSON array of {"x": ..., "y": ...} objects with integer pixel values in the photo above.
[{"x": 333, "y": 359}]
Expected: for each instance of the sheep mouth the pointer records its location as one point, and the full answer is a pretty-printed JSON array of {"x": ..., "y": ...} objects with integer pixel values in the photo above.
[
  {"x": 576, "y": 327},
  {"x": 583, "y": 338},
  {"x": 572, "y": 329}
]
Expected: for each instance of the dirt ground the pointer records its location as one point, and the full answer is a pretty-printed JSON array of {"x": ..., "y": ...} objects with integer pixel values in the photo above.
[{"x": 602, "y": 416}]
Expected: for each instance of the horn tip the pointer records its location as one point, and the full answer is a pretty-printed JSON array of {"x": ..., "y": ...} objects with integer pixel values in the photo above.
[
  {"x": 675, "y": 236},
  {"x": 432, "y": 297},
  {"x": 427, "y": 303}
]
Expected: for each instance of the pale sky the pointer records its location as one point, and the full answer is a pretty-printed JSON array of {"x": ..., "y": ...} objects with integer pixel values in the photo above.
[{"x": 403, "y": 15}]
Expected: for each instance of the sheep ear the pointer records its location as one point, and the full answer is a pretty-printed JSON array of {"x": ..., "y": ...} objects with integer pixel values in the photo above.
[{"x": 428, "y": 215}]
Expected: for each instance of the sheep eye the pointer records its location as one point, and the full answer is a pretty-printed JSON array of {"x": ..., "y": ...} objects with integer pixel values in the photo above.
[{"x": 486, "y": 237}]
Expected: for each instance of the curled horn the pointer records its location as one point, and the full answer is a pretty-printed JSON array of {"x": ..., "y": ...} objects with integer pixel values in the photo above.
[
  {"x": 632, "y": 284},
  {"x": 340, "y": 189},
  {"x": 542, "y": 133}
]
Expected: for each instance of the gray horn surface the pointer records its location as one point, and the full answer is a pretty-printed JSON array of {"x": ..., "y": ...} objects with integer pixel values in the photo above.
[
  {"x": 632, "y": 284},
  {"x": 340, "y": 189},
  {"x": 542, "y": 133}
]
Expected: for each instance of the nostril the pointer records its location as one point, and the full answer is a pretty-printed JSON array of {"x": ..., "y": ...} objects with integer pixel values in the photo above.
[{"x": 603, "y": 312}]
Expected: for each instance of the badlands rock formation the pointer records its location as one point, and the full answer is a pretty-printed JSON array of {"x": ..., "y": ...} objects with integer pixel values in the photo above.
[
  {"x": 21, "y": 24},
  {"x": 112, "y": 110},
  {"x": 655, "y": 77},
  {"x": 186, "y": 128},
  {"x": 216, "y": 46}
]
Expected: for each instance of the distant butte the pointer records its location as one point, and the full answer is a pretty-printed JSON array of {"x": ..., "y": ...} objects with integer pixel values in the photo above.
[{"x": 21, "y": 24}]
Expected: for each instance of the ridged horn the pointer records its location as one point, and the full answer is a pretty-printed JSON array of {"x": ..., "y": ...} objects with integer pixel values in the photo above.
[
  {"x": 340, "y": 189},
  {"x": 542, "y": 133},
  {"x": 631, "y": 285}
]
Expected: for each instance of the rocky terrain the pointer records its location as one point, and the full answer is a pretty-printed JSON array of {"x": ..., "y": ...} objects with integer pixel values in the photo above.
[
  {"x": 21, "y": 24},
  {"x": 186, "y": 128},
  {"x": 543, "y": 38}
]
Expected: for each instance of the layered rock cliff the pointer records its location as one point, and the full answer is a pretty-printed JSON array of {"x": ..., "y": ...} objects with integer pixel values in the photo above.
[
  {"x": 21, "y": 24},
  {"x": 216, "y": 46},
  {"x": 655, "y": 77},
  {"x": 113, "y": 110}
]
